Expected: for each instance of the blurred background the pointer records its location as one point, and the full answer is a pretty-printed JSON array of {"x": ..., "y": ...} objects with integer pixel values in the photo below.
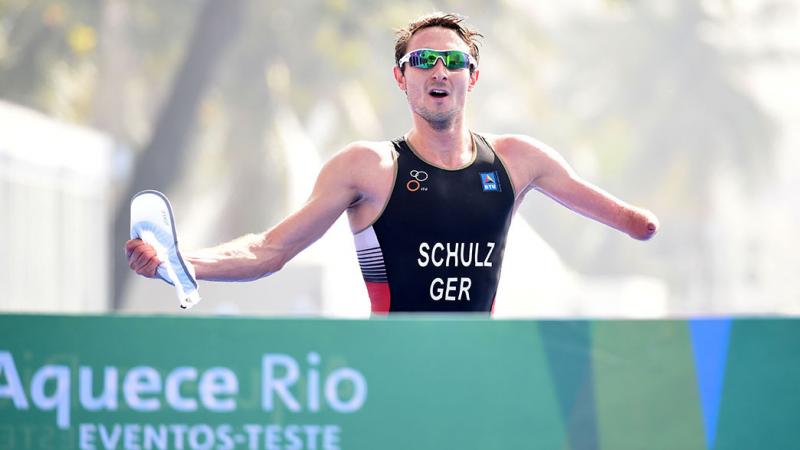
[{"x": 687, "y": 108}]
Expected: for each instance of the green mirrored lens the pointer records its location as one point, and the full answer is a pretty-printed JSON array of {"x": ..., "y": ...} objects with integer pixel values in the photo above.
[
  {"x": 430, "y": 57},
  {"x": 456, "y": 60},
  {"x": 425, "y": 59}
]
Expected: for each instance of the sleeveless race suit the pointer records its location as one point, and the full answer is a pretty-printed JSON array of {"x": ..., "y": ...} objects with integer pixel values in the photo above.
[{"x": 438, "y": 244}]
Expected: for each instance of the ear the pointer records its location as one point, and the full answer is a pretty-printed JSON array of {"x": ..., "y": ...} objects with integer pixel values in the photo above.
[
  {"x": 399, "y": 78},
  {"x": 473, "y": 79}
]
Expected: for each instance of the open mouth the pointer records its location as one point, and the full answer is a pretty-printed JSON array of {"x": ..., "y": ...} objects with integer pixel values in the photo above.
[{"x": 438, "y": 93}]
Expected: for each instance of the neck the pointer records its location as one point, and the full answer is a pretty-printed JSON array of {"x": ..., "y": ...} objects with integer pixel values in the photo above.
[{"x": 449, "y": 146}]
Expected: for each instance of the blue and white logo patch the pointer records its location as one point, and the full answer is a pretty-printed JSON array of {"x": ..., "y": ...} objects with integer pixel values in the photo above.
[{"x": 490, "y": 181}]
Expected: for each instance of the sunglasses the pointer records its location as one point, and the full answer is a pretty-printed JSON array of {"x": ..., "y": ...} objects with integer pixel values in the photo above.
[{"x": 425, "y": 58}]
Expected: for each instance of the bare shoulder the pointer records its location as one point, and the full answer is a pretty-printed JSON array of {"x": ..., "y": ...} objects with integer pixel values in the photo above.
[
  {"x": 366, "y": 168},
  {"x": 357, "y": 164},
  {"x": 525, "y": 158},
  {"x": 365, "y": 154},
  {"x": 517, "y": 148}
]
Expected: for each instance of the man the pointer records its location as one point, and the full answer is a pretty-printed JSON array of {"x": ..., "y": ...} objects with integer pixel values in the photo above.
[{"x": 430, "y": 211}]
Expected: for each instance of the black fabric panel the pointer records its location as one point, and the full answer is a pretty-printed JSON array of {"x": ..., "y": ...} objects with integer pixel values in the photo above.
[{"x": 451, "y": 209}]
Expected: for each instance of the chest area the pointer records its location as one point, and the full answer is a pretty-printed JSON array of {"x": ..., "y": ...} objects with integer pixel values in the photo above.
[{"x": 479, "y": 194}]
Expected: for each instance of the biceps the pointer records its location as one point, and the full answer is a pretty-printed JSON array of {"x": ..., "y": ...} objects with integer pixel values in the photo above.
[
  {"x": 308, "y": 224},
  {"x": 334, "y": 191}
]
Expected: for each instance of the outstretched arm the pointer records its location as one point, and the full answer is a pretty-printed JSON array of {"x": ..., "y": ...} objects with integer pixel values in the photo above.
[
  {"x": 257, "y": 255},
  {"x": 550, "y": 174}
]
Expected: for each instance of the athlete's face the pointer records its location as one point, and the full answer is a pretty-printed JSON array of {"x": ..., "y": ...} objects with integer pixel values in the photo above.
[{"x": 437, "y": 95}]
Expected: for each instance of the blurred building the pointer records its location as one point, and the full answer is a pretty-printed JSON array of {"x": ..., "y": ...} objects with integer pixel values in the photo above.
[{"x": 55, "y": 202}]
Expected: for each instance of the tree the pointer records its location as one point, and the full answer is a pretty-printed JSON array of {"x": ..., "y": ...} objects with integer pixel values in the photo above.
[{"x": 161, "y": 164}]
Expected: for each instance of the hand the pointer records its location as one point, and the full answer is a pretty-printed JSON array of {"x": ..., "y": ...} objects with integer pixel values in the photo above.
[{"x": 142, "y": 258}]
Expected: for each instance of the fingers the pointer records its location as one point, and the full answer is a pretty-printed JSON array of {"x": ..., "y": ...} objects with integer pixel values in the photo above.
[
  {"x": 131, "y": 245},
  {"x": 142, "y": 257},
  {"x": 149, "y": 270}
]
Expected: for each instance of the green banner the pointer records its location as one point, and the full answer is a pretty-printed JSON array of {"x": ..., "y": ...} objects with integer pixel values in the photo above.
[{"x": 114, "y": 382}]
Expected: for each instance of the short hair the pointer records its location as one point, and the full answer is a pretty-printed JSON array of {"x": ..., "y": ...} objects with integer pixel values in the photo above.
[{"x": 450, "y": 21}]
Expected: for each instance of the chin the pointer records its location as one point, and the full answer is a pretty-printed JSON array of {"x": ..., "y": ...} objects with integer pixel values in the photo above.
[{"x": 436, "y": 113}]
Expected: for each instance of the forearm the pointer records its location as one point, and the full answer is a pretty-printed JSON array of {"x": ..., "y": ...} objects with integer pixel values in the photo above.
[
  {"x": 638, "y": 223},
  {"x": 550, "y": 174},
  {"x": 247, "y": 258},
  {"x": 597, "y": 204}
]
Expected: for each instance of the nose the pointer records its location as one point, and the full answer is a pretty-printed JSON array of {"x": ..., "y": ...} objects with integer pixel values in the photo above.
[{"x": 439, "y": 71}]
